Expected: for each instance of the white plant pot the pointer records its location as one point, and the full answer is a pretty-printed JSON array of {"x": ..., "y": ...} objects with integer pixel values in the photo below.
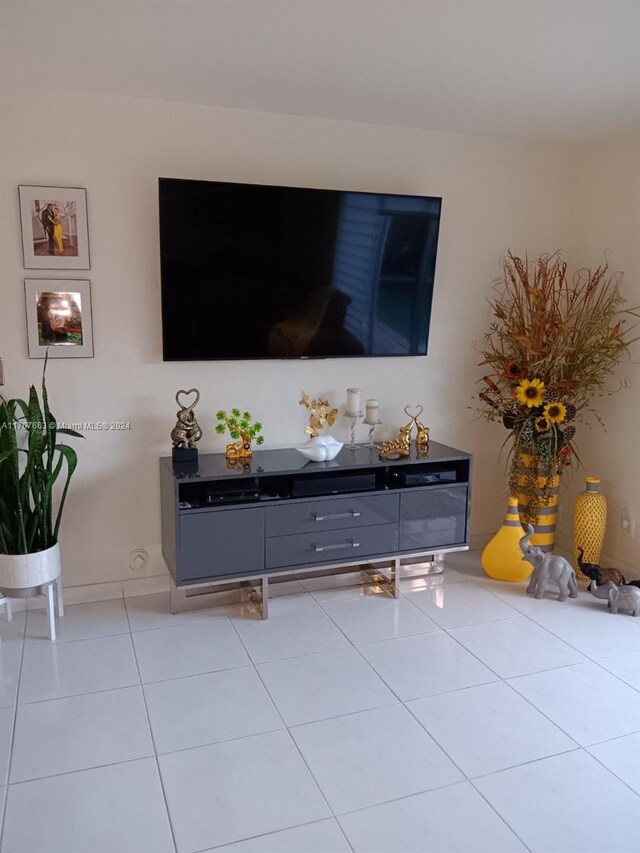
[
  {"x": 22, "y": 571},
  {"x": 321, "y": 448}
]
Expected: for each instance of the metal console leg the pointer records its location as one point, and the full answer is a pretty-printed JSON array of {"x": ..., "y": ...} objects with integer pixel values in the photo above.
[
  {"x": 397, "y": 573},
  {"x": 262, "y": 598}
]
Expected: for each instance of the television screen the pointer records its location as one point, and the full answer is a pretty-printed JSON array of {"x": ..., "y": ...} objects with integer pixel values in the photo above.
[{"x": 252, "y": 271}]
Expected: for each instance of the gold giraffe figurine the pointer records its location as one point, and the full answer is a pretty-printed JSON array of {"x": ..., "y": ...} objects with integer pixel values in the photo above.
[{"x": 399, "y": 446}]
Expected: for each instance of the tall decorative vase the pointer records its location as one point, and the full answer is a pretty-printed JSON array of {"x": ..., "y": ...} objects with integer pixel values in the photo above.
[
  {"x": 544, "y": 526},
  {"x": 589, "y": 523},
  {"x": 502, "y": 557}
]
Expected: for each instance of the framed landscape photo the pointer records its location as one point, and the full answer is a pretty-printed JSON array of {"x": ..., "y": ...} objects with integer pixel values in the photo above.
[
  {"x": 55, "y": 229},
  {"x": 59, "y": 318}
]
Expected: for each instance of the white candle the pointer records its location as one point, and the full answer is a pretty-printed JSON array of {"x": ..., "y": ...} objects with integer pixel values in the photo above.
[
  {"x": 354, "y": 402},
  {"x": 372, "y": 411}
]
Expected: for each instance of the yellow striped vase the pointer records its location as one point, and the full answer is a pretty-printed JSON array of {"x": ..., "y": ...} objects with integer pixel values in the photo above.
[
  {"x": 589, "y": 523},
  {"x": 544, "y": 527},
  {"x": 502, "y": 557}
]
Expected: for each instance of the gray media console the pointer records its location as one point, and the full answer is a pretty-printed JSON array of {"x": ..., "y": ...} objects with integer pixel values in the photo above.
[{"x": 278, "y": 513}]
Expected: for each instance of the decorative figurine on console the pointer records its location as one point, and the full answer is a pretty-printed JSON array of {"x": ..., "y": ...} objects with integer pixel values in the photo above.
[
  {"x": 319, "y": 448},
  {"x": 186, "y": 432},
  {"x": 618, "y": 597},
  {"x": 318, "y": 414},
  {"x": 398, "y": 447},
  {"x": 240, "y": 427},
  {"x": 422, "y": 432},
  {"x": 547, "y": 567}
]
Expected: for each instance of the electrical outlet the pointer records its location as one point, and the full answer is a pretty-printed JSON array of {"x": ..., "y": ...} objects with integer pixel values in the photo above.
[{"x": 627, "y": 523}]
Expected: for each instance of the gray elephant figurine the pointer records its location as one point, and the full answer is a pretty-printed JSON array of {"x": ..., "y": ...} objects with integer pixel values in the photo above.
[
  {"x": 618, "y": 597},
  {"x": 547, "y": 567}
]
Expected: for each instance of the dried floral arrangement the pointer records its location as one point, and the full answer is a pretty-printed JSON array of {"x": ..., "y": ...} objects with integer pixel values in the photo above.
[{"x": 551, "y": 345}]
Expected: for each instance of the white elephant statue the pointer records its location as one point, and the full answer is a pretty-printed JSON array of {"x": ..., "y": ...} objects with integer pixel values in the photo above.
[
  {"x": 547, "y": 567},
  {"x": 619, "y": 597}
]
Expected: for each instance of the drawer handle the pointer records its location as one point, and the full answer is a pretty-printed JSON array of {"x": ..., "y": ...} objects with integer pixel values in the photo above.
[
  {"x": 349, "y": 544},
  {"x": 335, "y": 515}
]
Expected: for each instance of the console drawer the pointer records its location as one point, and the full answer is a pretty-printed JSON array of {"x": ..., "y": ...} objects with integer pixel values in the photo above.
[
  {"x": 215, "y": 542},
  {"x": 337, "y": 546},
  {"x": 433, "y": 518},
  {"x": 332, "y": 514}
]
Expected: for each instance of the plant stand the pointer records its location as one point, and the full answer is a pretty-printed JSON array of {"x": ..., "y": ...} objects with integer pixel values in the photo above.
[{"x": 52, "y": 590}]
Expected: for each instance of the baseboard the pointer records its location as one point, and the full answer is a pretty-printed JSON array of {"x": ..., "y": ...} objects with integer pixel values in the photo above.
[{"x": 86, "y": 593}]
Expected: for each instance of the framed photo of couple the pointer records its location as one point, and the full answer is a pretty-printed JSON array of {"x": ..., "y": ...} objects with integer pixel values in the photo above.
[{"x": 55, "y": 230}]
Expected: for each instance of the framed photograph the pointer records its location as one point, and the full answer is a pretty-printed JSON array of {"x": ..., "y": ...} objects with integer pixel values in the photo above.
[
  {"x": 55, "y": 230},
  {"x": 59, "y": 318}
]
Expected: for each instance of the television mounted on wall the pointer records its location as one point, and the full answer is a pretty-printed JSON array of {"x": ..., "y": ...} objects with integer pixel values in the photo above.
[{"x": 255, "y": 272}]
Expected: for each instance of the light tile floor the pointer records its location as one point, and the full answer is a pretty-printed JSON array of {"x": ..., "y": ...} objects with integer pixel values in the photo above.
[{"x": 465, "y": 717}]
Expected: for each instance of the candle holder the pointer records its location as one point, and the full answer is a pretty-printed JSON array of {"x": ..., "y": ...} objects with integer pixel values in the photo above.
[
  {"x": 353, "y": 417},
  {"x": 372, "y": 424}
]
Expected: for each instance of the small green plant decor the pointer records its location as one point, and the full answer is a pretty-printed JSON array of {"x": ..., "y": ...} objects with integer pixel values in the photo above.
[
  {"x": 242, "y": 428},
  {"x": 32, "y": 458}
]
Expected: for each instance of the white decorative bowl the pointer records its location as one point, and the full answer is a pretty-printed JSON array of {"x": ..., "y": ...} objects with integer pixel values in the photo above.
[{"x": 322, "y": 448}]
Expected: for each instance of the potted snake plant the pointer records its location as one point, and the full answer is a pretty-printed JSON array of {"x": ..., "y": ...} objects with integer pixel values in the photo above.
[{"x": 32, "y": 460}]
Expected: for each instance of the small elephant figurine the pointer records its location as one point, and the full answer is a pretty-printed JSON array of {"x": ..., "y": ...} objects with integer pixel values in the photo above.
[
  {"x": 618, "y": 597},
  {"x": 547, "y": 567}
]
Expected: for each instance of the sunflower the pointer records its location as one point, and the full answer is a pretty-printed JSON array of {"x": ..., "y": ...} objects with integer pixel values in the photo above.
[
  {"x": 512, "y": 370},
  {"x": 555, "y": 413},
  {"x": 541, "y": 424},
  {"x": 529, "y": 392}
]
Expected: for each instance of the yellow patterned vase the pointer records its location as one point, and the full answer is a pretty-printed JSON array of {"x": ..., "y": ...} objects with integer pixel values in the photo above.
[
  {"x": 589, "y": 523},
  {"x": 502, "y": 557},
  {"x": 544, "y": 527}
]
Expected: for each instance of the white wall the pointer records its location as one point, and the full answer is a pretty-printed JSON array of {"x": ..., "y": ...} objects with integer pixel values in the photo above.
[
  {"x": 498, "y": 195},
  {"x": 606, "y": 218}
]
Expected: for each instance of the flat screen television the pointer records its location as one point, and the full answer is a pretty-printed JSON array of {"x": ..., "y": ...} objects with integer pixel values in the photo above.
[{"x": 253, "y": 272}]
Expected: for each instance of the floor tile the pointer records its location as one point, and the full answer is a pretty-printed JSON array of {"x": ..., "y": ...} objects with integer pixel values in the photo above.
[
  {"x": 12, "y": 633},
  {"x": 467, "y": 563},
  {"x": 449, "y": 820},
  {"x": 9, "y": 672},
  {"x": 116, "y": 809},
  {"x": 455, "y": 604},
  {"x": 589, "y": 704},
  {"x": 189, "y": 649},
  {"x": 414, "y": 667},
  {"x": 517, "y": 646},
  {"x": 80, "y": 732},
  {"x": 53, "y": 671},
  {"x": 346, "y": 592},
  {"x": 550, "y": 805},
  {"x": 592, "y": 629},
  {"x": 80, "y": 622},
  {"x": 238, "y": 789},
  {"x": 146, "y": 612},
  {"x": 6, "y": 737},
  {"x": 372, "y": 757},
  {"x": 489, "y": 728},
  {"x": 323, "y": 836},
  {"x": 625, "y": 665},
  {"x": 314, "y": 687},
  {"x": 515, "y": 595},
  {"x": 210, "y": 708},
  {"x": 295, "y": 628},
  {"x": 416, "y": 582},
  {"x": 622, "y": 757},
  {"x": 378, "y": 617},
  {"x": 327, "y": 586}
]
